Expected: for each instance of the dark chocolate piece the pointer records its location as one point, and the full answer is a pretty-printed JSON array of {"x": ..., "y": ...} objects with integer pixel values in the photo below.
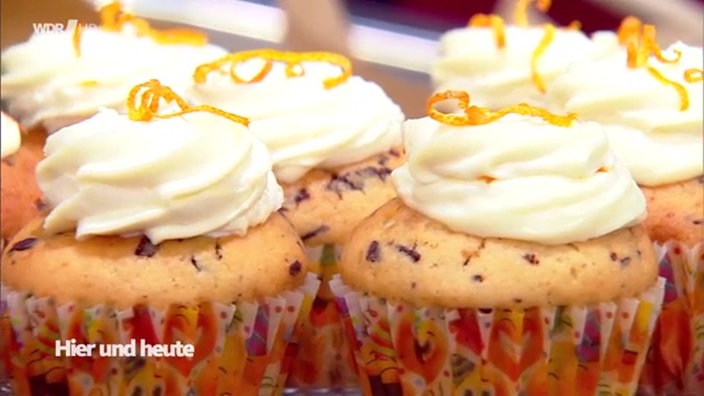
[
  {"x": 24, "y": 244},
  {"x": 410, "y": 252},
  {"x": 195, "y": 263},
  {"x": 146, "y": 248},
  {"x": 295, "y": 268},
  {"x": 373, "y": 252},
  {"x": 315, "y": 232},
  {"x": 531, "y": 258},
  {"x": 218, "y": 250}
]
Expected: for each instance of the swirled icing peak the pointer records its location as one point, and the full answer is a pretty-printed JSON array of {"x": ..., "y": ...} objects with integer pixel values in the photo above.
[
  {"x": 307, "y": 107},
  {"x": 520, "y": 173},
  {"x": 167, "y": 170}
]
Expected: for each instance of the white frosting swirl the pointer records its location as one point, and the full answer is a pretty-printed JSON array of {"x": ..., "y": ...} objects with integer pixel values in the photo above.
[
  {"x": 305, "y": 125},
  {"x": 548, "y": 186},
  {"x": 180, "y": 177},
  {"x": 500, "y": 77},
  {"x": 657, "y": 142},
  {"x": 10, "y": 133},
  {"x": 45, "y": 82}
]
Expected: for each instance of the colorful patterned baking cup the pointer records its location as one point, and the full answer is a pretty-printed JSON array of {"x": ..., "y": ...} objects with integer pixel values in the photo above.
[
  {"x": 324, "y": 358},
  {"x": 237, "y": 349},
  {"x": 675, "y": 364},
  {"x": 573, "y": 350}
]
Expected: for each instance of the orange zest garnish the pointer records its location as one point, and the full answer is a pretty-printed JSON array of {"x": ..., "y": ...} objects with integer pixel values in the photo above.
[
  {"x": 575, "y": 25},
  {"x": 486, "y": 179},
  {"x": 77, "y": 33},
  {"x": 145, "y": 106},
  {"x": 113, "y": 18},
  {"x": 292, "y": 60},
  {"x": 495, "y": 23},
  {"x": 537, "y": 53},
  {"x": 694, "y": 75},
  {"x": 641, "y": 43},
  {"x": 520, "y": 13},
  {"x": 684, "y": 98},
  {"x": 474, "y": 115}
]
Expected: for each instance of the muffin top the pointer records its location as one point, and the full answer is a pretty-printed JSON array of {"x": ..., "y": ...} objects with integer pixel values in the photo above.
[
  {"x": 168, "y": 176},
  {"x": 180, "y": 203},
  {"x": 307, "y": 107},
  {"x": 650, "y": 102},
  {"x": 518, "y": 207},
  {"x": 504, "y": 65},
  {"x": 57, "y": 77},
  {"x": 10, "y": 133}
]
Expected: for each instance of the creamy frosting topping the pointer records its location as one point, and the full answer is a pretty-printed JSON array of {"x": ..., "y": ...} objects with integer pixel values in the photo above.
[
  {"x": 517, "y": 177},
  {"x": 501, "y": 76},
  {"x": 46, "y": 81},
  {"x": 649, "y": 128},
  {"x": 311, "y": 118},
  {"x": 10, "y": 133},
  {"x": 167, "y": 178}
]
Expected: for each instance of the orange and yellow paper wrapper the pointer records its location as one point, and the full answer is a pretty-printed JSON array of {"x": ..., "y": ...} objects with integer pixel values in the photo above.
[
  {"x": 242, "y": 349},
  {"x": 324, "y": 359},
  {"x": 401, "y": 349},
  {"x": 675, "y": 364}
]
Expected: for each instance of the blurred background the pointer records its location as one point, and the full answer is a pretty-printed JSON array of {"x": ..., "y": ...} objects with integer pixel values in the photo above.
[{"x": 392, "y": 42}]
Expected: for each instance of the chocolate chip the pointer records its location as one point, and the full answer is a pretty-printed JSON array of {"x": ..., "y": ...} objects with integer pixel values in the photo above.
[
  {"x": 354, "y": 180},
  {"x": 625, "y": 261},
  {"x": 697, "y": 222},
  {"x": 295, "y": 268},
  {"x": 39, "y": 204},
  {"x": 466, "y": 261},
  {"x": 339, "y": 184},
  {"x": 409, "y": 252},
  {"x": 478, "y": 278},
  {"x": 218, "y": 250},
  {"x": 531, "y": 258},
  {"x": 517, "y": 300},
  {"x": 301, "y": 195},
  {"x": 195, "y": 263},
  {"x": 613, "y": 256},
  {"x": 24, "y": 244},
  {"x": 639, "y": 253},
  {"x": 413, "y": 285},
  {"x": 146, "y": 248},
  {"x": 373, "y": 252},
  {"x": 315, "y": 232}
]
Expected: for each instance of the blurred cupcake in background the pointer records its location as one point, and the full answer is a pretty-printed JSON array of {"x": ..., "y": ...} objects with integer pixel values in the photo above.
[
  {"x": 504, "y": 65},
  {"x": 334, "y": 140},
  {"x": 513, "y": 262},
  {"x": 163, "y": 229},
  {"x": 650, "y": 102},
  {"x": 20, "y": 198},
  {"x": 57, "y": 78}
]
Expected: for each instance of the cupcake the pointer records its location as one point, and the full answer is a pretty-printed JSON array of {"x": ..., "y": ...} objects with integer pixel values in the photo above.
[
  {"x": 163, "y": 234},
  {"x": 513, "y": 262},
  {"x": 20, "y": 198},
  {"x": 504, "y": 65},
  {"x": 334, "y": 139},
  {"x": 650, "y": 103},
  {"x": 55, "y": 79}
]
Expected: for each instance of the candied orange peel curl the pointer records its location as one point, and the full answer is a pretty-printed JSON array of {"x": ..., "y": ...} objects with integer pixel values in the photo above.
[
  {"x": 694, "y": 75},
  {"x": 292, "y": 60},
  {"x": 144, "y": 100},
  {"x": 640, "y": 41},
  {"x": 520, "y": 13},
  {"x": 495, "y": 22},
  {"x": 473, "y": 115},
  {"x": 76, "y": 39},
  {"x": 113, "y": 18}
]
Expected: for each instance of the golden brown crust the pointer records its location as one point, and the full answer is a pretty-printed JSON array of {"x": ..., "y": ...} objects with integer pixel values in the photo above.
[
  {"x": 676, "y": 211},
  {"x": 397, "y": 253},
  {"x": 20, "y": 197},
  {"x": 325, "y": 206},
  {"x": 129, "y": 271}
]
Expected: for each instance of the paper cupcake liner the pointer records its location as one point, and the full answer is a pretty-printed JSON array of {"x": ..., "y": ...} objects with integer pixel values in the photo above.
[
  {"x": 406, "y": 350},
  {"x": 675, "y": 364},
  {"x": 237, "y": 349},
  {"x": 324, "y": 358}
]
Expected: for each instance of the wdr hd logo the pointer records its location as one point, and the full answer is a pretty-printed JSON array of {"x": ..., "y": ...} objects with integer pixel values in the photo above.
[{"x": 60, "y": 27}]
